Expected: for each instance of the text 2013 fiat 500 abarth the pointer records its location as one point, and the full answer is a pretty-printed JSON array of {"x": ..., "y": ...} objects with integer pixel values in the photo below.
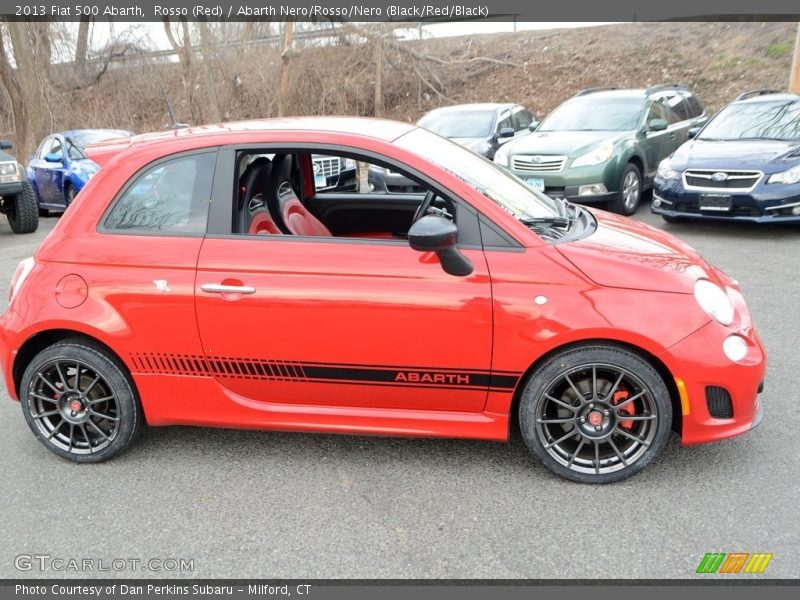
[{"x": 200, "y": 278}]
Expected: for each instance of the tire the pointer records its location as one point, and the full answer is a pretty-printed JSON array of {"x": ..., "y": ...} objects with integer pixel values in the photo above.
[
  {"x": 23, "y": 214},
  {"x": 630, "y": 191},
  {"x": 69, "y": 195},
  {"x": 82, "y": 386},
  {"x": 608, "y": 432}
]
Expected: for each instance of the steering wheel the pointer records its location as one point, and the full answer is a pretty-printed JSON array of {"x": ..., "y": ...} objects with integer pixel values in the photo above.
[{"x": 422, "y": 210}]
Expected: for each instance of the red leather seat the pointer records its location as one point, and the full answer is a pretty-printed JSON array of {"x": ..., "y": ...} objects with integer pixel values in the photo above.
[
  {"x": 254, "y": 213},
  {"x": 291, "y": 216}
]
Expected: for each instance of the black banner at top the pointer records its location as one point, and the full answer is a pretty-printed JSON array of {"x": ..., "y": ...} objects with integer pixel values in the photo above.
[{"x": 397, "y": 10}]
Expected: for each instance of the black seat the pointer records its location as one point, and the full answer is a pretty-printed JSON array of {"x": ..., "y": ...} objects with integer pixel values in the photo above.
[
  {"x": 254, "y": 214},
  {"x": 290, "y": 214}
]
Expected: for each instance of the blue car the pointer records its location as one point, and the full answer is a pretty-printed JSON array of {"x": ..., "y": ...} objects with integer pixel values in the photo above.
[
  {"x": 59, "y": 169},
  {"x": 744, "y": 165}
]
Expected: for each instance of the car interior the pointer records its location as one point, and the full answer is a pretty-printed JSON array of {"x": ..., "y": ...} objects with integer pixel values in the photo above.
[{"x": 277, "y": 195}]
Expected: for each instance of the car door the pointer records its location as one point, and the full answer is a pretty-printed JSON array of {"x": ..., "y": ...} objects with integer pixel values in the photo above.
[
  {"x": 339, "y": 321},
  {"x": 657, "y": 145},
  {"x": 38, "y": 167},
  {"x": 51, "y": 175}
]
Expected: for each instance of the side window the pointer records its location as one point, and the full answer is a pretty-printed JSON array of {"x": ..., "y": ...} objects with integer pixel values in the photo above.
[
  {"x": 677, "y": 105},
  {"x": 335, "y": 173},
  {"x": 522, "y": 119},
  {"x": 694, "y": 106},
  {"x": 505, "y": 121},
  {"x": 656, "y": 111},
  {"x": 169, "y": 197},
  {"x": 44, "y": 148},
  {"x": 668, "y": 103},
  {"x": 56, "y": 147}
]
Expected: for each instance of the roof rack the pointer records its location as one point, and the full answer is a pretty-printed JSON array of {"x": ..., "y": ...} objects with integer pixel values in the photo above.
[
  {"x": 754, "y": 93},
  {"x": 595, "y": 89},
  {"x": 661, "y": 87}
]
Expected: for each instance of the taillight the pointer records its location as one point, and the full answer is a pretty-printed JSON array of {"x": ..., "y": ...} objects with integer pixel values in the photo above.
[{"x": 23, "y": 269}]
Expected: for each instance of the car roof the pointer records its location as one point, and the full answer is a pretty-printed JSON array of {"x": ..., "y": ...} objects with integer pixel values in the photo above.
[
  {"x": 78, "y": 132},
  {"x": 376, "y": 129},
  {"x": 473, "y": 107},
  {"x": 634, "y": 93},
  {"x": 782, "y": 97}
]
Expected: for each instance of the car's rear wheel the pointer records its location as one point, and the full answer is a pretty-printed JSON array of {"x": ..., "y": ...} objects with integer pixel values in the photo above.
[
  {"x": 79, "y": 402},
  {"x": 595, "y": 413},
  {"x": 23, "y": 214},
  {"x": 70, "y": 194},
  {"x": 630, "y": 191}
]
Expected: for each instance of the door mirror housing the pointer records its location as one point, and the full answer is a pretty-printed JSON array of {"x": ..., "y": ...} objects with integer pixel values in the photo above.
[
  {"x": 433, "y": 233},
  {"x": 53, "y": 157},
  {"x": 692, "y": 133},
  {"x": 657, "y": 125},
  {"x": 5, "y": 145}
]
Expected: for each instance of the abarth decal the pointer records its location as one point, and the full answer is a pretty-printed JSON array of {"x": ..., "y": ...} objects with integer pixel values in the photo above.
[{"x": 278, "y": 370}]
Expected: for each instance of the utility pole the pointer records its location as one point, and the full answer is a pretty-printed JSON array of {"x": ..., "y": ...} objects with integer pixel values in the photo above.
[{"x": 794, "y": 80}]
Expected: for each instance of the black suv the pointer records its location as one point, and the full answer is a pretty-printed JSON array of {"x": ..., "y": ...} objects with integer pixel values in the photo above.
[{"x": 17, "y": 198}]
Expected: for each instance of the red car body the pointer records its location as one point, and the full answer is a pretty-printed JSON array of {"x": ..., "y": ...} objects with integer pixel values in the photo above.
[{"x": 360, "y": 335}]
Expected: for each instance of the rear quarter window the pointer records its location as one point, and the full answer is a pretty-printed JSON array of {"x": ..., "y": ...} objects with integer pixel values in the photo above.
[{"x": 171, "y": 196}]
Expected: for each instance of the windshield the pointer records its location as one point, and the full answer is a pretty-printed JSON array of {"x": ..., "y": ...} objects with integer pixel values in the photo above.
[
  {"x": 756, "y": 121},
  {"x": 77, "y": 143},
  {"x": 492, "y": 181},
  {"x": 595, "y": 114},
  {"x": 459, "y": 124}
]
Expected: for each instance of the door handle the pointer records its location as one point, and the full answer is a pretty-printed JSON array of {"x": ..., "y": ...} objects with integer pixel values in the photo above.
[{"x": 220, "y": 288}]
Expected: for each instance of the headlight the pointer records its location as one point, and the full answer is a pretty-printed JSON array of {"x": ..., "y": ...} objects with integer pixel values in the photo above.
[
  {"x": 790, "y": 176},
  {"x": 23, "y": 269},
  {"x": 10, "y": 172},
  {"x": 501, "y": 156},
  {"x": 714, "y": 301},
  {"x": 595, "y": 157},
  {"x": 349, "y": 163},
  {"x": 665, "y": 171}
]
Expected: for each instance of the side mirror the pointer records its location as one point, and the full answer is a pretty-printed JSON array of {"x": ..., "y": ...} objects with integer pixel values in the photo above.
[
  {"x": 534, "y": 126},
  {"x": 657, "y": 125},
  {"x": 5, "y": 145},
  {"x": 693, "y": 132},
  {"x": 53, "y": 157},
  {"x": 436, "y": 234}
]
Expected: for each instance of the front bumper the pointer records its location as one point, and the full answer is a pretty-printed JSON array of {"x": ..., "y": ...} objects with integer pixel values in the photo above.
[
  {"x": 704, "y": 369},
  {"x": 389, "y": 182},
  {"x": 761, "y": 205},
  {"x": 10, "y": 189},
  {"x": 568, "y": 182}
]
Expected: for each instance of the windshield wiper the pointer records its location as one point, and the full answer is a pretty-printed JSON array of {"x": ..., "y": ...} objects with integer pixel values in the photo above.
[{"x": 554, "y": 221}]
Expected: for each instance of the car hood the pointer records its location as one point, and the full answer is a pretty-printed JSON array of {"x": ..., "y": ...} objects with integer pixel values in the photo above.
[
  {"x": 744, "y": 154},
  {"x": 570, "y": 143},
  {"x": 624, "y": 253}
]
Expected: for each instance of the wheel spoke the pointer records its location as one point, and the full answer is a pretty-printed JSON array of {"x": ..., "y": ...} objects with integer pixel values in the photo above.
[
  {"x": 55, "y": 431},
  {"x": 90, "y": 386},
  {"x": 103, "y": 433},
  {"x": 620, "y": 454},
  {"x": 574, "y": 389},
  {"x": 102, "y": 415},
  {"x": 96, "y": 400},
  {"x": 610, "y": 396},
  {"x": 596, "y": 457},
  {"x": 594, "y": 382},
  {"x": 49, "y": 413},
  {"x": 638, "y": 418},
  {"x": 555, "y": 421},
  {"x": 561, "y": 439},
  {"x": 71, "y": 433},
  {"x": 50, "y": 385},
  {"x": 88, "y": 439},
  {"x": 62, "y": 377},
  {"x": 629, "y": 400},
  {"x": 561, "y": 403},
  {"x": 44, "y": 398},
  {"x": 575, "y": 455},
  {"x": 632, "y": 437}
]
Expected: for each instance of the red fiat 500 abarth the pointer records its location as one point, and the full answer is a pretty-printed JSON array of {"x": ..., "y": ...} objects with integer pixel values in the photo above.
[{"x": 200, "y": 278}]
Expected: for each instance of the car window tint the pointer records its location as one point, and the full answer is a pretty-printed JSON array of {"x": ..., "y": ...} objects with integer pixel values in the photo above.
[
  {"x": 43, "y": 148},
  {"x": 677, "y": 105},
  {"x": 657, "y": 111},
  {"x": 505, "y": 121},
  {"x": 171, "y": 197},
  {"x": 667, "y": 104},
  {"x": 522, "y": 119},
  {"x": 55, "y": 148},
  {"x": 695, "y": 108}
]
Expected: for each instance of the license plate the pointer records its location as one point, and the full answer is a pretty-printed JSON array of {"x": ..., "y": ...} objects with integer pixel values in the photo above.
[
  {"x": 715, "y": 202},
  {"x": 320, "y": 181},
  {"x": 534, "y": 183}
]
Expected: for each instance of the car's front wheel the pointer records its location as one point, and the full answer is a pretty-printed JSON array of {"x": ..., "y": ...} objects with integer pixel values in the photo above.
[
  {"x": 595, "y": 413},
  {"x": 630, "y": 191},
  {"x": 79, "y": 402},
  {"x": 23, "y": 216}
]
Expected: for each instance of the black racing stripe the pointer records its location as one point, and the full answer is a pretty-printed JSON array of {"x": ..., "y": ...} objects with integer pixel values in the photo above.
[{"x": 241, "y": 368}]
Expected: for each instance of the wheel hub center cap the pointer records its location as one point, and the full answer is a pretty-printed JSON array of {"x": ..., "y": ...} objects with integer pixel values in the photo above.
[
  {"x": 75, "y": 406},
  {"x": 595, "y": 418}
]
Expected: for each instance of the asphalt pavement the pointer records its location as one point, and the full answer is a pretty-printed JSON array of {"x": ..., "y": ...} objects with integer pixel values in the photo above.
[{"x": 275, "y": 505}]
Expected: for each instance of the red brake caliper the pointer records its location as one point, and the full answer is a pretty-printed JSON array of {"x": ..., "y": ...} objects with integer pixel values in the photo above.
[{"x": 628, "y": 408}]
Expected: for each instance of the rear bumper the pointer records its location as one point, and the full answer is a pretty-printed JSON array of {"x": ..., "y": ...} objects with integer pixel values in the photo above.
[{"x": 10, "y": 189}]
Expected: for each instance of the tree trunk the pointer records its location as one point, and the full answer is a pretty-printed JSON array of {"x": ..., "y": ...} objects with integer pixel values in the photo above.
[
  {"x": 184, "y": 52},
  {"x": 28, "y": 85},
  {"x": 211, "y": 90},
  {"x": 82, "y": 45},
  {"x": 378, "y": 102},
  {"x": 286, "y": 56},
  {"x": 794, "y": 80}
]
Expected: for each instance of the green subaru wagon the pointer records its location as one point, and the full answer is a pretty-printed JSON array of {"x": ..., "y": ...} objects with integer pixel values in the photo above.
[{"x": 603, "y": 145}]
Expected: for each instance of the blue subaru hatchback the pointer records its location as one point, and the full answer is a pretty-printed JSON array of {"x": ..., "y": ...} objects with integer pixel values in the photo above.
[{"x": 743, "y": 165}]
